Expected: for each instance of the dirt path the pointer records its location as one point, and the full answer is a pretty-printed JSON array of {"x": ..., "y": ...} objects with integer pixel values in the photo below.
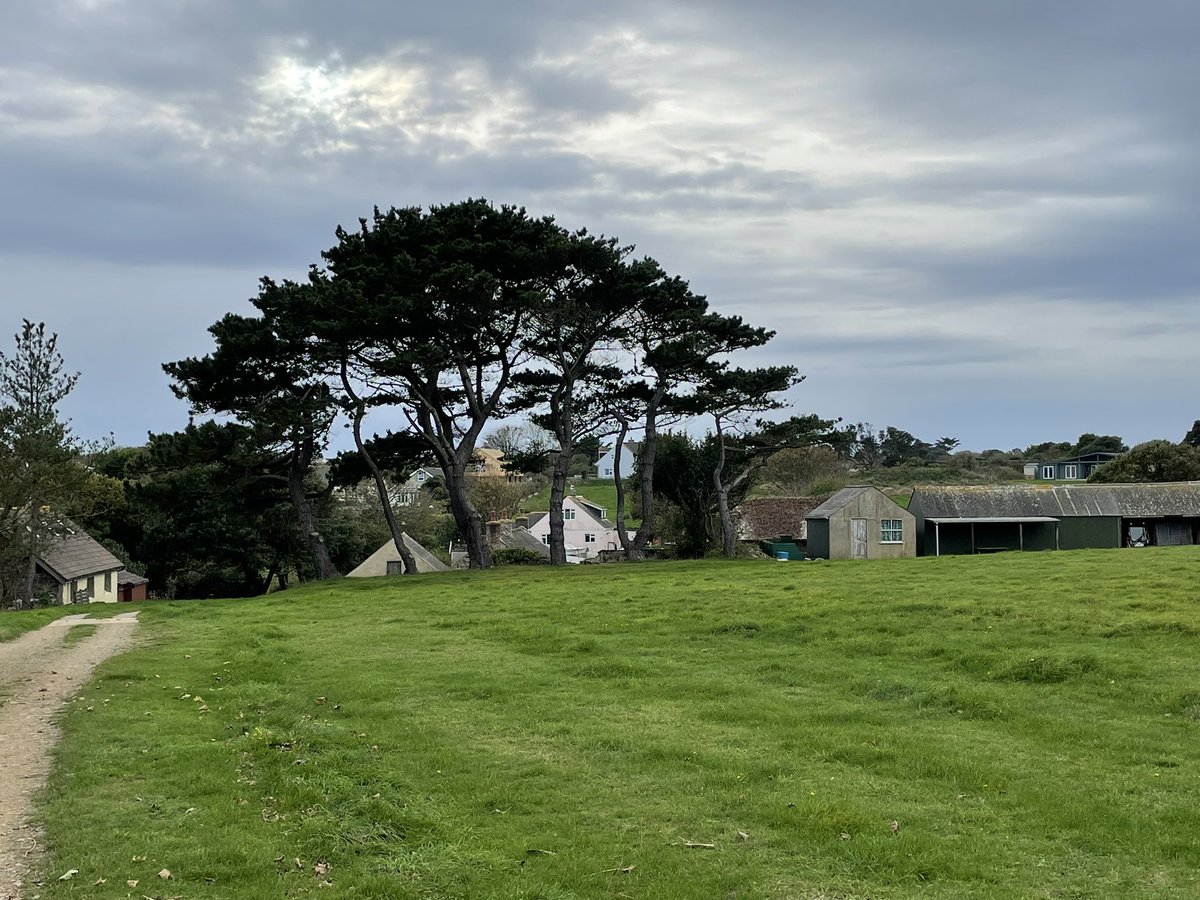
[{"x": 37, "y": 674}]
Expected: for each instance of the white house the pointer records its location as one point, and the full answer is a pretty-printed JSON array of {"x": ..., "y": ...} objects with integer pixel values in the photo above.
[
  {"x": 78, "y": 569},
  {"x": 629, "y": 451},
  {"x": 410, "y": 492},
  {"x": 586, "y": 528}
]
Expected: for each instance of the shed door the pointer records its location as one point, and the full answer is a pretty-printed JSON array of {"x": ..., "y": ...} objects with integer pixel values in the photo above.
[
  {"x": 1172, "y": 533},
  {"x": 858, "y": 538}
]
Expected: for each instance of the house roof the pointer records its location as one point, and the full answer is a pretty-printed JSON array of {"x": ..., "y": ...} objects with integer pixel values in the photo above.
[
  {"x": 124, "y": 577},
  {"x": 534, "y": 517},
  {"x": 594, "y": 511},
  {"x": 1098, "y": 456},
  {"x": 76, "y": 555},
  {"x": 1009, "y": 501},
  {"x": 839, "y": 500},
  {"x": 517, "y": 538},
  {"x": 376, "y": 563}
]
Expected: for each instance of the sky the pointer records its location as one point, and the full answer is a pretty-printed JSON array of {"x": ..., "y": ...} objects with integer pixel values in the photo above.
[{"x": 973, "y": 220}]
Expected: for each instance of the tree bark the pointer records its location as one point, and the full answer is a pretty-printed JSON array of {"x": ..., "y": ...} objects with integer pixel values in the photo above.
[
  {"x": 558, "y": 490},
  {"x": 728, "y": 534},
  {"x": 389, "y": 515},
  {"x": 632, "y": 551},
  {"x": 35, "y": 527},
  {"x": 297, "y": 471},
  {"x": 649, "y": 451},
  {"x": 467, "y": 518}
]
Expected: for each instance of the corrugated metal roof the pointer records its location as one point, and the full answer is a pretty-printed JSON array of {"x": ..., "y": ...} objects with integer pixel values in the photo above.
[
  {"x": 1008, "y": 501},
  {"x": 77, "y": 554},
  {"x": 838, "y": 500}
]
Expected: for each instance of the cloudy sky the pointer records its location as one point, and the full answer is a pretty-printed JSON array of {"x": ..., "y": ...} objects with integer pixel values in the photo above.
[{"x": 965, "y": 219}]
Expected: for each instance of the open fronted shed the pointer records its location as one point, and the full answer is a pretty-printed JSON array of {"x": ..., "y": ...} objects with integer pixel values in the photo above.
[
  {"x": 1067, "y": 517},
  {"x": 860, "y": 522}
]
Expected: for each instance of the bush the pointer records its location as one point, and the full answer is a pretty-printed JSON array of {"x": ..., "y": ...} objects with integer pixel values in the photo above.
[{"x": 518, "y": 556}]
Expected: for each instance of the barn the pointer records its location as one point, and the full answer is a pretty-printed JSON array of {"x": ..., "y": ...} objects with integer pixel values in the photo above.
[
  {"x": 860, "y": 522},
  {"x": 954, "y": 520}
]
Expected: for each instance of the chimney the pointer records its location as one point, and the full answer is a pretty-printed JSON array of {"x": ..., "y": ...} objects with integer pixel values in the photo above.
[
  {"x": 521, "y": 522},
  {"x": 493, "y": 533}
]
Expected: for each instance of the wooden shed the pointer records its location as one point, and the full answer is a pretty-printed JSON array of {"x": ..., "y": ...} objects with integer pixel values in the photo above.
[{"x": 861, "y": 522}]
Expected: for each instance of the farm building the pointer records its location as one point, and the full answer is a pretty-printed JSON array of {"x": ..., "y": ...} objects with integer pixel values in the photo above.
[
  {"x": 386, "y": 560},
  {"x": 860, "y": 522},
  {"x": 1054, "y": 517},
  {"x": 767, "y": 518}
]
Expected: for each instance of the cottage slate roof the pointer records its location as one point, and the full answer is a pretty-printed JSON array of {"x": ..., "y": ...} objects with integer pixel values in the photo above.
[
  {"x": 124, "y": 577},
  {"x": 517, "y": 538},
  {"x": 77, "y": 554},
  {"x": 839, "y": 500},
  {"x": 1123, "y": 500}
]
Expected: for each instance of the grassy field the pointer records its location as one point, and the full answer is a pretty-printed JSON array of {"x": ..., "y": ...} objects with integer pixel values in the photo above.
[
  {"x": 15, "y": 624},
  {"x": 1019, "y": 725}
]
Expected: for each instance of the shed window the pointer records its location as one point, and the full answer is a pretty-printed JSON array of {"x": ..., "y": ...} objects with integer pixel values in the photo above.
[
  {"x": 1048, "y": 472},
  {"x": 395, "y": 567},
  {"x": 1071, "y": 471},
  {"x": 891, "y": 531}
]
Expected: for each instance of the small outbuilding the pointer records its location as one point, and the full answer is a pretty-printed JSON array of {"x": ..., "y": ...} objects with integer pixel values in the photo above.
[
  {"x": 861, "y": 522},
  {"x": 386, "y": 560},
  {"x": 131, "y": 586}
]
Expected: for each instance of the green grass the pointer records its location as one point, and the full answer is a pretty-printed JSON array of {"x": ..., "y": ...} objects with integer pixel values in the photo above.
[
  {"x": 600, "y": 491},
  {"x": 1031, "y": 721},
  {"x": 13, "y": 624}
]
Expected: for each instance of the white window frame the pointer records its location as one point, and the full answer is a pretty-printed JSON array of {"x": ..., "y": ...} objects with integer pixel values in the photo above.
[
  {"x": 546, "y": 539},
  {"x": 589, "y": 538},
  {"x": 1070, "y": 470},
  {"x": 894, "y": 527},
  {"x": 1047, "y": 473},
  {"x": 568, "y": 514}
]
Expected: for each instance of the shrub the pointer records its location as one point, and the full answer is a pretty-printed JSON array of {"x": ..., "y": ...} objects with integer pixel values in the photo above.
[{"x": 518, "y": 556}]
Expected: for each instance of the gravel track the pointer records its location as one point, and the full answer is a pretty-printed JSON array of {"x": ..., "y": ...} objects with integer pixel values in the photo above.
[{"x": 38, "y": 673}]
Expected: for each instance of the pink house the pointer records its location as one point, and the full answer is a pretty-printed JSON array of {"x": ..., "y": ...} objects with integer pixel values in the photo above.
[{"x": 586, "y": 529}]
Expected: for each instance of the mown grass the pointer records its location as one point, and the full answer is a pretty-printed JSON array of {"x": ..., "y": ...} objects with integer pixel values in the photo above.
[
  {"x": 1030, "y": 722},
  {"x": 14, "y": 623}
]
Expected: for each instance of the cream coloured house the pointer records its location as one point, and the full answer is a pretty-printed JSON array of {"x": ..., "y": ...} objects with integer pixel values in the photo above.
[
  {"x": 80, "y": 568},
  {"x": 586, "y": 528}
]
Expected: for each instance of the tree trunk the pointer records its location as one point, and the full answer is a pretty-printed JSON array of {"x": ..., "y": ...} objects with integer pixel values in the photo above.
[
  {"x": 558, "y": 490},
  {"x": 467, "y": 518},
  {"x": 649, "y": 451},
  {"x": 297, "y": 471},
  {"x": 35, "y": 527},
  {"x": 632, "y": 551},
  {"x": 728, "y": 534},
  {"x": 389, "y": 515}
]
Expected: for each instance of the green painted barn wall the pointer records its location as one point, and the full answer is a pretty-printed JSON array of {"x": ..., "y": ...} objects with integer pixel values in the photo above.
[{"x": 1083, "y": 532}]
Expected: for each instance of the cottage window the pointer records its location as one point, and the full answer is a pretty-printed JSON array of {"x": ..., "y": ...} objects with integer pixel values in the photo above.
[
  {"x": 108, "y": 582},
  {"x": 589, "y": 539},
  {"x": 1071, "y": 471},
  {"x": 1048, "y": 473},
  {"x": 891, "y": 531},
  {"x": 545, "y": 539},
  {"x": 420, "y": 476},
  {"x": 568, "y": 513}
]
